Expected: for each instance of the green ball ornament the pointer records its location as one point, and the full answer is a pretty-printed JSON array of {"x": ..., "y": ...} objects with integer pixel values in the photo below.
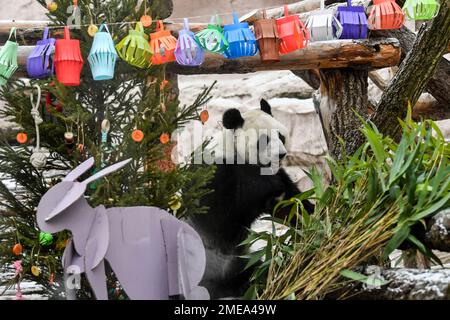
[{"x": 45, "y": 238}]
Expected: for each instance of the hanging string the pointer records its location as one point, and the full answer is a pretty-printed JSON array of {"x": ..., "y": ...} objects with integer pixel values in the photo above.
[{"x": 123, "y": 23}]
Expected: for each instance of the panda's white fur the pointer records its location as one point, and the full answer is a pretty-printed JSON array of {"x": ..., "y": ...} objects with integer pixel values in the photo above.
[{"x": 244, "y": 141}]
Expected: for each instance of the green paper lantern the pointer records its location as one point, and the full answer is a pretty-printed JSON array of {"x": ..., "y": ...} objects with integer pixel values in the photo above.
[
  {"x": 212, "y": 38},
  {"x": 8, "y": 58},
  {"x": 135, "y": 48},
  {"x": 421, "y": 9},
  {"x": 45, "y": 238}
]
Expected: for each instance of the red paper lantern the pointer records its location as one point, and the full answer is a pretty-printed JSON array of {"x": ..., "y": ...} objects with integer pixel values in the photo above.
[
  {"x": 292, "y": 32},
  {"x": 68, "y": 60},
  {"x": 385, "y": 14}
]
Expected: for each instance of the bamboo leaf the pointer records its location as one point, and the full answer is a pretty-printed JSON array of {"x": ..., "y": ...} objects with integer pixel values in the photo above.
[
  {"x": 255, "y": 257},
  {"x": 396, "y": 241}
]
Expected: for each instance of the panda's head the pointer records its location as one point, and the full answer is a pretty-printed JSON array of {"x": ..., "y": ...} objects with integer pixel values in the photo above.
[{"x": 253, "y": 137}]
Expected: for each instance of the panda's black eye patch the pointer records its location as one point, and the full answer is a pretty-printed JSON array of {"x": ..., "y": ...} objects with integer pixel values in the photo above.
[{"x": 282, "y": 138}]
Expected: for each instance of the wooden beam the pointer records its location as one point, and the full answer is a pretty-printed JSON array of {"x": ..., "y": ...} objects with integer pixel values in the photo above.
[
  {"x": 373, "y": 54},
  {"x": 378, "y": 53}
]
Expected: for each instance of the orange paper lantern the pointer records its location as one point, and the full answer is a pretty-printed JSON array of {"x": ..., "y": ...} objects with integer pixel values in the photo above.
[
  {"x": 22, "y": 137},
  {"x": 68, "y": 60},
  {"x": 17, "y": 249},
  {"x": 163, "y": 45},
  {"x": 292, "y": 32},
  {"x": 385, "y": 14}
]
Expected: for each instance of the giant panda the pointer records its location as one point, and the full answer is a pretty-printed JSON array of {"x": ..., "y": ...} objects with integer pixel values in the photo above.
[{"x": 240, "y": 194}]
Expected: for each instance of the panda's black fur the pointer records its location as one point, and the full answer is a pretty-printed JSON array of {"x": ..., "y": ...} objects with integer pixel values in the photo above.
[{"x": 240, "y": 195}]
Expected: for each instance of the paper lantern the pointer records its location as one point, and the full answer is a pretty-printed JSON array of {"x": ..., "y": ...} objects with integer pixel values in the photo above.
[
  {"x": 421, "y": 9},
  {"x": 8, "y": 58},
  {"x": 188, "y": 52},
  {"x": 323, "y": 25},
  {"x": 40, "y": 61},
  {"x": 353, "y": 20},
  {"x": 135, "y": 49},
  {"x": 241, "y": 40},
  {"x": 68, "y": 60},
  {"x": 385, "y": 14},
  {"x": 266, "y": 32},
  {"x": 292, "y": 31},
  {"x": 212, "y": 39},
  {"x": 163, "y": 45},
  {"x": 103, "y": 56}
]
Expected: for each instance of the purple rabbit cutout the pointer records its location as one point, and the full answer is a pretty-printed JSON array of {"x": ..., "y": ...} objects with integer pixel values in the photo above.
[{"x": 153, "y": 254}]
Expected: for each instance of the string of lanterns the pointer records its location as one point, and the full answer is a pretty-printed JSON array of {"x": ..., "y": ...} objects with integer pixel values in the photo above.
[{"x": 272, "y": 38}]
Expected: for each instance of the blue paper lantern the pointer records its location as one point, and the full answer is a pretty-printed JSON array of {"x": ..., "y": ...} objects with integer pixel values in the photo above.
[
  {"x": 103, "y": 56},
  {"x": 241, "y": 40}
]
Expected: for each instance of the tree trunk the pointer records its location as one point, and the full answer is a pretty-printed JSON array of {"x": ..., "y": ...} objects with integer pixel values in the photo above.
[
  {"x": 414, "y": 73},
  {"x": 311, "y": 77},
  {"x": 343, "y": 96}
]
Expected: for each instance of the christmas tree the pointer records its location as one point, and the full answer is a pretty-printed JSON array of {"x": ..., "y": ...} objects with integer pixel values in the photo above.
[{"x": 130, "y": 116}]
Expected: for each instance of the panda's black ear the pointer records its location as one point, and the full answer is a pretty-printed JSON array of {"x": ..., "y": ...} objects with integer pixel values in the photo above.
[
  {"x": 265, "y": 106},
  {"x": 232, "y": 119}
]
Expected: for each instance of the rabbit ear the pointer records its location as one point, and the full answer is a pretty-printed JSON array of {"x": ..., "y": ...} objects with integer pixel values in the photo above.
[
  {"x": 78, "y": 171},
  {"x": 72, "y": 195},
  {"x": 106, "y": 171}
]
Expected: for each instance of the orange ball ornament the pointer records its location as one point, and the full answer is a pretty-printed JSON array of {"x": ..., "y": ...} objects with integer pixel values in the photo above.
[
  {"x": 164, "y": 138},
  {"x": 204, "y": 116},
  {"x": 146, "y": 20},
  {"x": 21, "y": 137},
  {"x": 137, "y": 135},
  {"x": 17, "y": 249}
]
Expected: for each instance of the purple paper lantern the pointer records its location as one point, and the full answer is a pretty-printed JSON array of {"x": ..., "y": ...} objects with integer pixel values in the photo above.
[
  {"x": 353, "y": 20},
  {"x": 188, "y": 51},
  {"x": 40, "y": 61}
]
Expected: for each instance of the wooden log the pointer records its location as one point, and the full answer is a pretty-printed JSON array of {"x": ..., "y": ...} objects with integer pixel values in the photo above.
[
  {"x": 404, "y": 284},
  {"x": 335, "y": 54}
]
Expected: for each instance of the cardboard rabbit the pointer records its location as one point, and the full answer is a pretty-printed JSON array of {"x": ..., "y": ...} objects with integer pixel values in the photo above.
[{"x": 153, "y": 254}]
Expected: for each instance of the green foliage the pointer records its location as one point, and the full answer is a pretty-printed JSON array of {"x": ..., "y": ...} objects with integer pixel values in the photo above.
[
  {"x": 132, "y": 100},
  {"x": 378, "y": 194}
]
